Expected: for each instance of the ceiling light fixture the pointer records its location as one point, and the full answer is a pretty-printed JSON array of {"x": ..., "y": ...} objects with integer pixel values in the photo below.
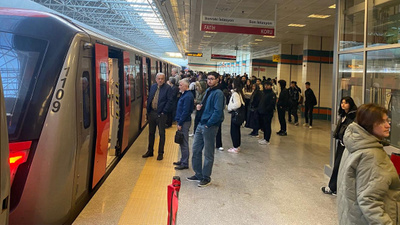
[
  {"x": 269, "y": 36},
  {"x": 258, "y": 39},
  {"x": 332, "y": 6},
  {"x": 210, "y": 32},
  {"x": 207, "y": 36},
  {"x": 317, "y": 16},
  {"x": 174, "y": 54},
  {"x": 296, "y": 25}
]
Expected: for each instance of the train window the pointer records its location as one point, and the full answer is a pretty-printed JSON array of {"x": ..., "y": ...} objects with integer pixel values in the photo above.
[
  {"x": 86, "y": 99},
  {"x": 20, "y": 61},
  {"x": 103, "y": 90}
]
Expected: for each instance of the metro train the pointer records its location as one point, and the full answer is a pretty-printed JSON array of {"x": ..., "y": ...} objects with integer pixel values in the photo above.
[{"x": 75, "y": 101}]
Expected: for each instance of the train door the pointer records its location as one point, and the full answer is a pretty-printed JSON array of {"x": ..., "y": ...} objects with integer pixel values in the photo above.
[
  {"x": 86, "y": 125},
  {"x": 146, "y": 87},
  {"x": 128, "y": 72},
  {"x": 5, "y": 168},
  {"x": 114, "y": 113},
  {"x": 102, "y": 113}
]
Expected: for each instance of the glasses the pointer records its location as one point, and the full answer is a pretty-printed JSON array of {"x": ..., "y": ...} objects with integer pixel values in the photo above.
[
  {"x": 211, "y": 79},
  {"x": 388, "y": 120}
]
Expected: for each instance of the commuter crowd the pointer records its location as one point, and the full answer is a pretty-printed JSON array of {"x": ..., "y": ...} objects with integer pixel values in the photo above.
[
  {"x": 363, "y": 177},
  {"x": 250, "y": 101}
]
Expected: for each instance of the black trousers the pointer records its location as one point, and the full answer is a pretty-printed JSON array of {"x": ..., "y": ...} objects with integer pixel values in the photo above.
[
  {"x": 235, "y": 135},
  {"x": 267, "y": 119},
  {"x": 293, "y": 111},
  {"x": 154, "y": 121},
  {"x": 308, "y": 112},
  {"x": 218, "y": 138},
  {"x": 281, "y": 117},
  {"x": 338, "y": 157}
]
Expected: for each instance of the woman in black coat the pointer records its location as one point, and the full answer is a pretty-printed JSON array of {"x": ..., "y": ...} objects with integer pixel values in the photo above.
[
  {"x": 347, "y": 113},
  {"x": 252, "y": 115}
]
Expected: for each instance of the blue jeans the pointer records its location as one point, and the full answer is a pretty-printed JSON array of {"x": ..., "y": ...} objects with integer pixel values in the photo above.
[
  {"x": 185, "y": 145},
  {"x": 204, "y": 138}
]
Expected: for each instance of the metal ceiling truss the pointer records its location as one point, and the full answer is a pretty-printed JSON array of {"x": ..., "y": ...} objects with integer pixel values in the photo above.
[{"x": 137, "y": 22}]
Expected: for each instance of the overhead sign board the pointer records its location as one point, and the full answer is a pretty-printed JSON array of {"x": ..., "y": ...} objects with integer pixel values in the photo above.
[
  {"x": 194, "y": 54},
  {"x": 238, "y": 21},
  {"x": 238, "y": 29},
  {"x": 223, "y": 57}
]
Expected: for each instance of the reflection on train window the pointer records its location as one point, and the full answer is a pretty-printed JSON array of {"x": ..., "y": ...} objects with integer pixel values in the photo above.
[
  {"x": 127, "y": 90},
  {"x": 351, "y": 76},
  {"x": 103, "y": 90},
  {"x": 86, "y": 99},
  {"x": 138, "y": 90},
  {"x": 383, "y": 86},
  {"x": 132, "y": 83},
  {"x": 20, "y": 59}
]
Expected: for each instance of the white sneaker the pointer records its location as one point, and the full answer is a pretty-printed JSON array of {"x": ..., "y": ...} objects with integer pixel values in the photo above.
[
  {"x": 221, "y": 149},
  {"x": 263, "y": 142},
  {"x": 310, "y": 127},
  {"x": 234, "y": 150},
  {"x": 191, "y": 135},
  {"x": 305, "y": 124}
]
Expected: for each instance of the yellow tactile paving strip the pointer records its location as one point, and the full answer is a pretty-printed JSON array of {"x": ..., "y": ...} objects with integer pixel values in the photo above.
[{"x": 148, "y": 201}]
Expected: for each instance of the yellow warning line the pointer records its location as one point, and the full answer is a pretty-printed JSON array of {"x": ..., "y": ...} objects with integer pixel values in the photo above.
[{"x": 148, "y": 201}]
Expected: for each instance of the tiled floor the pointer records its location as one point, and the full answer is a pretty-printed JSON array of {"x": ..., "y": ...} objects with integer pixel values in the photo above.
[{"x": 275, "y": 184}]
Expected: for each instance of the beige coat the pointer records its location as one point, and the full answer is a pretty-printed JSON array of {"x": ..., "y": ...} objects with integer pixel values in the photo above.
[{"x": 368, "y": 184}]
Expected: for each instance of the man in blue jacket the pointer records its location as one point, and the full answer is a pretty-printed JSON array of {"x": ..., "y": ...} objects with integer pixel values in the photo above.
[
  {"x": 184, "y": 119},
  {"x": 158, "y": 105},
  {"x": 212, "y": 116}
]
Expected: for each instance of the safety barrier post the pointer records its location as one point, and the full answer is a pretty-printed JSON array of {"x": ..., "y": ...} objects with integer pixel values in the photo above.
[{"x": 173, "y": 191}]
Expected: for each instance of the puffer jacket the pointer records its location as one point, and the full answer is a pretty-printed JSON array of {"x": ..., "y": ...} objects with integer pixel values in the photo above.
[{"x": 368, "y": 184}]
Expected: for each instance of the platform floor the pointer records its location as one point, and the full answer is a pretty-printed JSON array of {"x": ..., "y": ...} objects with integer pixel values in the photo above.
[{"x": 275, "y": 184}]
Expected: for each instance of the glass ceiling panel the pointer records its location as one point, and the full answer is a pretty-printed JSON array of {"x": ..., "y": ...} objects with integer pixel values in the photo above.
[{"x": 137, "y": 22}]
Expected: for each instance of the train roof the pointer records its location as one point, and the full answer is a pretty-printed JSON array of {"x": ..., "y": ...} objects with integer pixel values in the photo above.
[{"x": 42, "y": 24}]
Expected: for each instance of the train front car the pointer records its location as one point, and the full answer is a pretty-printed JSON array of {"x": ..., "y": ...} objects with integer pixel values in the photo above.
[{"x": 38, "y": 63}]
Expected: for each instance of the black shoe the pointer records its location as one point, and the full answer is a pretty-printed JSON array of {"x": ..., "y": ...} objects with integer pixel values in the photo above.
[
  {"x": 279, "y": 132},
  {"x": 181, "y": 167},
  {"x": 177, "y": 163},
  {"x": 193, "y": 178},
  {"x": 204, "y": 183},
  {"x": 283, "y": 133},
  {"x": 160, "y": 157},
  {"x": 328, "y": 191},
  {"x": 148, "y": 154}
]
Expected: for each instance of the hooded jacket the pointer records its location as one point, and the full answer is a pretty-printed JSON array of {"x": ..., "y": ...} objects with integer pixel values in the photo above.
[{"x": 368, "y": 184}]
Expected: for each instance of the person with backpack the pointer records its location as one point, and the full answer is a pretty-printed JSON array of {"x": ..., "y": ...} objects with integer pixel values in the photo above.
[
  {"x": 309, "y": 104},
  {"x": 294, "y": 94}
]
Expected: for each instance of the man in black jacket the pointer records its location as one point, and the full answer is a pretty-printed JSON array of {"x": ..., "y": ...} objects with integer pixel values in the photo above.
[
  {"x": 309, "y": 104},
  {"x": 282, "y": 105},
  {"x": 159, "y": 105},
  {"x": 266, "y": 109}
]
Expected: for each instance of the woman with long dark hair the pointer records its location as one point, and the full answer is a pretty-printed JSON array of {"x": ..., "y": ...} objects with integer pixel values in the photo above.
[
  {"x": 347, "y": 113},
  {"x": 235, "y": 102},
  {"x": 368, "y": 183}
]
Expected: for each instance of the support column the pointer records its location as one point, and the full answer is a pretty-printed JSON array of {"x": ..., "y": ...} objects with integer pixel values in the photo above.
[{"x": 317, "y": 69}]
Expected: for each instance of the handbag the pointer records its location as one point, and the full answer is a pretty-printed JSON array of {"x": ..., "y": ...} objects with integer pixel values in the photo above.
[
  {"x": 179, "y": 137},
  {"x": 238, "y": 116}
]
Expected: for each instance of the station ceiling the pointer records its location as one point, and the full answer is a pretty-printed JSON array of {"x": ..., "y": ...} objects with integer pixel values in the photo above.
[
  {"x": 161, "y": 26},
  {"x": 183, "y": 19},
  {"x": 137, "y": 22}
]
